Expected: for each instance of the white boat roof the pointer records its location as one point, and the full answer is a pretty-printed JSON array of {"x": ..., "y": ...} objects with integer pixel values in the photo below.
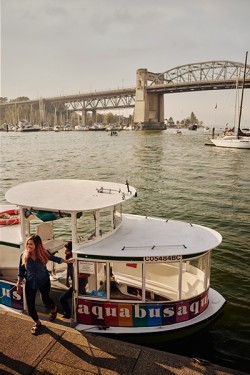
[
  {"x": 68, "y": 195},
  {"x": 140, "y": 236}
]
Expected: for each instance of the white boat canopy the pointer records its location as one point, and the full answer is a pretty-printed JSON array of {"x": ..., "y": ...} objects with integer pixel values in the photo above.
[
  {"x": 68, "y": 195},
  {"x": 137, "y": 237},
  {"x": 141, "y": 236}
]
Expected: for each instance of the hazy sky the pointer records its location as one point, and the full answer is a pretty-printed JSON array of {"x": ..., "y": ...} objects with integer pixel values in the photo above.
[{"x": 53, "y": 47}]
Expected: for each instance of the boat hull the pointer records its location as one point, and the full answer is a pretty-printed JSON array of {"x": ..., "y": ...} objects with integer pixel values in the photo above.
[
  {"x": 30, "y": 130},
  {"x": 165, "y": 333},
  {"x": 165, "y": 337},
  {"x": 232, "y": 143}
]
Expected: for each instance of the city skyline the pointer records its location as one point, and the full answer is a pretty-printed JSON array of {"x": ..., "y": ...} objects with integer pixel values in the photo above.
[{"x": 51, "y": 49}]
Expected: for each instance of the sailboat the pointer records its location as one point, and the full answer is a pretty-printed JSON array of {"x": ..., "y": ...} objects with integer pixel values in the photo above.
[{"x": 239, "y": 139}]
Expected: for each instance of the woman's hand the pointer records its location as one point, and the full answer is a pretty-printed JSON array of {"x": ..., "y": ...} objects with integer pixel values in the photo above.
[
  {"x": 19, "y": 289},
  {"x": 71, "y": 260}
]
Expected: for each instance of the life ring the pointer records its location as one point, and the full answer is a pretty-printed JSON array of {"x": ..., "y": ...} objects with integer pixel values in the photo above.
[
  {"x": 7, "y": 218},
  {"x": 10, "y": 212}
]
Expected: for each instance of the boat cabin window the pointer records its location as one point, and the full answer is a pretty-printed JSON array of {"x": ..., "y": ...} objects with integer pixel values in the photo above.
[
  {"x": 117, "y": 215},
  {"x": 86, "y": 226},
  {"x": 94, "y": 224},
  {"x": 127, "y": 281},
  {"x": 106, "y": 222},
  {"x": 161, "y": 281},
  {"x": 92, "y": 279},
  {"x": 98, "y": 279},
  {"x": 90, "y": 225},
  {"x": 195, "y": 276},
  {"x": 147, "y": 282}
]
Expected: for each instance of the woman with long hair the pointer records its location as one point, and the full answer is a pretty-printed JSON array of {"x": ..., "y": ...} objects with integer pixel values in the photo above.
[{"x": 32, "y": 267}]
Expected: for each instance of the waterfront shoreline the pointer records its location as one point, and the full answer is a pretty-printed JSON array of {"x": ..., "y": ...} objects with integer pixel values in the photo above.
[{"x": 60, "y": 350}]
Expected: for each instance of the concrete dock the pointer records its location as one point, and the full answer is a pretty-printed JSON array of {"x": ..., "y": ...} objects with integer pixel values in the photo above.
[{"x": 60, "y": 350}]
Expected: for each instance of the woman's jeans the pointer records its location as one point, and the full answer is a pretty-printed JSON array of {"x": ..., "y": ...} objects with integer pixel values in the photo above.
[{"x": 31, "y": 299}]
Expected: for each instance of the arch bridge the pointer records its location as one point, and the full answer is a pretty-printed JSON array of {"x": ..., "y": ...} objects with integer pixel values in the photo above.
[{"x": 147, "y": 98}]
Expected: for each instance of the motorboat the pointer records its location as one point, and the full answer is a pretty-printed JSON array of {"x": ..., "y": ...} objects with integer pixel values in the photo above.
[
  {"x": 113, "y": 132},
  {"x": 81, "y": 128},
  {"x": 146, "y": 278},
  {"x": 97, "y": 127},
  {"x": 193, "y": 127},
  {"x": 128, "y": 127},
  {"x": 25, "y": 126},
  {"x": 67, "y": 127}
]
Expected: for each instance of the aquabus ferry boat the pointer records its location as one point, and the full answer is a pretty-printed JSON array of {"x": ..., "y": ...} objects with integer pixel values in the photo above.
[{"x": 137, "y": 277}]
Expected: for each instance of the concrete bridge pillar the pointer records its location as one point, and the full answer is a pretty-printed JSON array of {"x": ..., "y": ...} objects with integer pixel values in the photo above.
[
  {"x": 61, "y": 118},
  {"x": 55, "y": 117},
  {"x": 42, "y": 111},
  {"x": 94, "y": 116},
  {"x": 31, "y": 115},
  {"x": 149, "y": 106},
  {"x": 84, "y": 113}
]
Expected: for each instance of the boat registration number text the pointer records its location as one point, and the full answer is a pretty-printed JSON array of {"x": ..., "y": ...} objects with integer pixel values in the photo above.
[{"x": 162, "y": 259}]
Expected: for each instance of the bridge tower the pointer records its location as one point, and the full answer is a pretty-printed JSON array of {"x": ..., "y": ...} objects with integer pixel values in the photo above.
[
  {"x": 149, "y": 106},
  {"x": 42, "y": 111}
]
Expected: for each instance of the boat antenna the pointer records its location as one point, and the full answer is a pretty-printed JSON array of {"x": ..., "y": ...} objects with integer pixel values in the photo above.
[{"x": 242, "y": 92}]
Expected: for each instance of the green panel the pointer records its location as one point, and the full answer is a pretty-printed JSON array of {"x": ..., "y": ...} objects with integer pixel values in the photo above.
[
  {"x": 140, "y": 313},
  {"x": 9, "y": 244},
  {"x": 105, "y": 257}
]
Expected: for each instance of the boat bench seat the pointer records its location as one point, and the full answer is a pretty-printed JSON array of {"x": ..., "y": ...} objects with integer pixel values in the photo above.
[
  {"x": 152, "y": 286},
  {"x": 45, "y": 231},
  {"x": 53, "y": 245}
]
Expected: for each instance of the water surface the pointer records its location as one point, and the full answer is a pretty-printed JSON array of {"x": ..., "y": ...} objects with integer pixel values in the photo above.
[{"x": 177, "y": 177}]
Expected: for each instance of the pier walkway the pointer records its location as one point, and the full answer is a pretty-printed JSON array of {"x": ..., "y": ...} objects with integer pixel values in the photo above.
[{"x": 62, "y": 350}]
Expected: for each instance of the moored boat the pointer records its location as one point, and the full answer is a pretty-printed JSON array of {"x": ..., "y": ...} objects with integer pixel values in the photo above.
[
  {"x": 113, "y": 132},
  {"x": 145, "y": 277},
  {"x": 232, "y": 141},
  {"x": 97, "y": 127},
  {"x": 81, "y": 128},
  {"x": 235, "y": 138},
  {"x": 25, "y": 126}
]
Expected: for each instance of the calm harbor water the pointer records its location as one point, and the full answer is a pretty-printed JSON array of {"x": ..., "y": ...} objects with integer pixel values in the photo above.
[{"x": 176, "y": 177}]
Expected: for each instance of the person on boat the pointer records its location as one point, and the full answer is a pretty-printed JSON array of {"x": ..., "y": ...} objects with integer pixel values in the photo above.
[
  {"x": 83, "y": 280},
  {"x": 32, "y": 268},
  {"x": 68, "y": 294}
]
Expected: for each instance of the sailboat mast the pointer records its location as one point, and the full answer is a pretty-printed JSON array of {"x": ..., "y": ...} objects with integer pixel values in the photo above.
[
  {"x": 236, "y": 106},
  {"x": 242, "y": 93}
]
